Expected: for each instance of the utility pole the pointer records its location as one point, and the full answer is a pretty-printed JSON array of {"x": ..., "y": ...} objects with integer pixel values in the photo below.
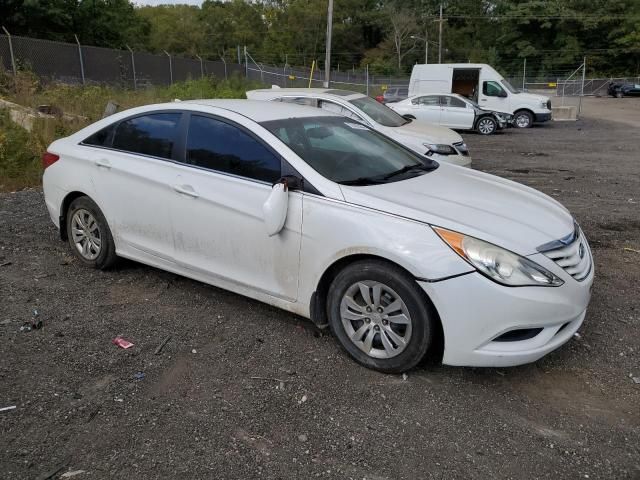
[
  {"x": 440, "y": 36},
  {"x": 327, "y": 59},
  {"x": 524, "y": 74}
]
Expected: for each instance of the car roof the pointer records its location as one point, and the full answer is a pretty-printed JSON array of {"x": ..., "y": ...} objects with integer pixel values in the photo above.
[
  {"x": 256, "y": 111},
  {"x": 310, "y": 92}
]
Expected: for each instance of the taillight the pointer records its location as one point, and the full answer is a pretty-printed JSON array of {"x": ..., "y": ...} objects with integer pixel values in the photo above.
[{"x": 49, "y": 159}]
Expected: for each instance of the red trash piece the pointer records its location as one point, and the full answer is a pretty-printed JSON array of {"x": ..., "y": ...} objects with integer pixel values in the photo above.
[{"x": 122, "y": 343}]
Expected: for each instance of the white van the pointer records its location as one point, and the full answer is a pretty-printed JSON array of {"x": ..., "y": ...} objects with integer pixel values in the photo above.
[{"x": 482, "y": 84}]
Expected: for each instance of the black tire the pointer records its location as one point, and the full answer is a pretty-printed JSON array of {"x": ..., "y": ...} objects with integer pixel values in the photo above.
[
  {"x": 420, "y": 310},
  {"x": 106, "y": 256},
  {"x": 519, "y": 119},
  {"x": 486, "y": 125}
]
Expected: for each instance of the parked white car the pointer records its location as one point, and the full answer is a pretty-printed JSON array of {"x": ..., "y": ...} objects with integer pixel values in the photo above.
[
  {"x": 325, "y": 217},
  {"x": 433, "y": 141},
  {"x": 452, "y": 111},
  {"x": 483, "y": 84}
]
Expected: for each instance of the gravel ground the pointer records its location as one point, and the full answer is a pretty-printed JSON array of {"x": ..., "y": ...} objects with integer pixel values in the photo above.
[{"x": 243, "y": 390}]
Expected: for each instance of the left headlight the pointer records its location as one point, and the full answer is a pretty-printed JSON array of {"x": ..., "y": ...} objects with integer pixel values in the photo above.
[
  {"x": 440, "y": 148},
  {"x": 498, "y": 264},
  {"x": 544, "y": 104}
]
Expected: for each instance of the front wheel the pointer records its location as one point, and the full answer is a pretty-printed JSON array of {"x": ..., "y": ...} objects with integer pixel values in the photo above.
[
  {"x": 380, "y": 316},
  {"x": 523, "y": 119},
  {"x": 486, "y": 126}
]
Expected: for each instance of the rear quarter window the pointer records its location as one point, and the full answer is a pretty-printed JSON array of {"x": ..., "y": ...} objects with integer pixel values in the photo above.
[
  {"x": 154, "y": 134},
  {"x": 102, "y": 138}
]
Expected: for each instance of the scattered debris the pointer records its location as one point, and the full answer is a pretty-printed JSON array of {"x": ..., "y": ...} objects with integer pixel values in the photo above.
[
  {"x": 302, "y": 400},
  {"x": 627, "y": 249},
  {"x": 194, "y": 351},
  {"x": 34, "y": 324},
  {"x": 502, "y": 374},
  {"x": 72, "y": 474},
  {"x": 268, "y": 378},
  {"x": 161, "y": 346},
  {"x": 138, "y": 375},
  {"x": 54, "y": 471},
  {"x": 302, "y": 438},
  {"x": 4, "y": 409},
  {"x": 122, "y": 343},
  {"x": 5, "y": 264},
  {"x": 281, "y": 386},
  {"x": 577, "y": 335},
  {"x": 405, "y": 377},
  {"x": 635, "y": 379}
]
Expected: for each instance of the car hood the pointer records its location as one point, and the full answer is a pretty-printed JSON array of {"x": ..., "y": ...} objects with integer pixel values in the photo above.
[
  {"x": 416, "y": 131},
  {"x": 531, "y": 97},
  {"x": 493, "y": 209}
]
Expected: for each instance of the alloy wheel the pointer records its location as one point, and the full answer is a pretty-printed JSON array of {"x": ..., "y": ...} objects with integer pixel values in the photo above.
[
  {"x": 375, "y": 319},
  {"x": 85, "y": 233},
  {"x": 522, "y": 121},
  {"x": 486, "y": 126}
]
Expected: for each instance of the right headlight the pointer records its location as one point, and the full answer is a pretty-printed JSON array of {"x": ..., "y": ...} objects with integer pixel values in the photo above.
[
  {"x": 498, "y": 264},
  {"x": 440, "y": 148}
]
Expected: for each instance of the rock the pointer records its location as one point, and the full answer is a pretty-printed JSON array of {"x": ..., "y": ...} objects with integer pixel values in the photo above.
[{"x": 302, "y": 438}]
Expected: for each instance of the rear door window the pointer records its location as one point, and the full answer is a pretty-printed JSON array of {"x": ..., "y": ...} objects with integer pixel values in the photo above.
[
  {"x": 154, "y": 134},
  {"x": 452, "y": 102},
  {"x": 220, "y": 146}
]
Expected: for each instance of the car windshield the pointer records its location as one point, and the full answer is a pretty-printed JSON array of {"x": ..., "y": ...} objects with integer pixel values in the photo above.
[
  {"x": 348, "y": 152},
  {"x": 378, "y": 112},
  {"x": 508, "y": 86}
]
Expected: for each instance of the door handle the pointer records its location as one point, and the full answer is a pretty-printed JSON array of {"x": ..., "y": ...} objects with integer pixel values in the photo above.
[
  {"x": 186, "y": 190},
  {"x": 483, "y": 99},
  {"x": 103, "y": 162}
]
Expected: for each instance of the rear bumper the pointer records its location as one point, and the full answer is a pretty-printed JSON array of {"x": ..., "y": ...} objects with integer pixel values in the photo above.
[{"x": 542, "y": 117}]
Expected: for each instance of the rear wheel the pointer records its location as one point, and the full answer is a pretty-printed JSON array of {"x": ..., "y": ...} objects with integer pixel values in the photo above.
[
  {"x": 486, "y": 125},
  {"x": 523, "y": 119},
  {"x": 89, "y": 235},
  {"x": 380, "y": 316}
]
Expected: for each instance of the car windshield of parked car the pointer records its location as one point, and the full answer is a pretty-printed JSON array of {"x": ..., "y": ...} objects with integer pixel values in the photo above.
[
  {"x": 379, "y": 112},
  {"x": 508, "y": 86},
  {"x": 348, "y": 152}
]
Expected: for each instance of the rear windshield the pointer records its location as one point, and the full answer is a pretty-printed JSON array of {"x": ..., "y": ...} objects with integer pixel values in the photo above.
[
  {"x": 378, "y": 112},
  {"x": 347, "y": 152}
]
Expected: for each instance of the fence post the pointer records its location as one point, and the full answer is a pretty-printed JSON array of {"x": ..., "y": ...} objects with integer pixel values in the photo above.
[
  {"x": 133, "y": 68},
  {"x": 13, "y": 59},
  {"x": 170, "y": 67},
  {"x": 239, "y": 61},
  {"x": 524, "y": 74},
  {"x": 202, "y": 67},
  {"x": 367, "y": 75},
  {"x": 225, "y": 66},
  {"x": 246, "y": 63},
  {"x": 584, "y": 71},
  {"x": 80, "y": 57}
]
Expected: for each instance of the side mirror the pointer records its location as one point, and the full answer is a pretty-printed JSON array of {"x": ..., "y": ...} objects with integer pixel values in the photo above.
[
  {"x": 275, "y": 208},
  {"x": 503, "y": 94}
]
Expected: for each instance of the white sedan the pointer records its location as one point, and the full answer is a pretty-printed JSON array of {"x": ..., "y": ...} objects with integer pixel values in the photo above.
[
  {"x": 324, "y": 217},
  {"x": 432, "y": 141},
  {"x": 452, "y": 111}
]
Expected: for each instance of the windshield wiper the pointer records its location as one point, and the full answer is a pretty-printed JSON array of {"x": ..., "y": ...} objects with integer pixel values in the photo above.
[
  {"x": 362, "y": 181},
  {"x": 406, "y": 169}
]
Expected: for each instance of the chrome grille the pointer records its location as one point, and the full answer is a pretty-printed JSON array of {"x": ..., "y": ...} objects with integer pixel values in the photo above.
[{"x": 571, "y": 253}]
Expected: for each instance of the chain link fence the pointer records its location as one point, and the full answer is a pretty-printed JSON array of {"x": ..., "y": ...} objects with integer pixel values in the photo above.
[{"x": 79, "y": 64}]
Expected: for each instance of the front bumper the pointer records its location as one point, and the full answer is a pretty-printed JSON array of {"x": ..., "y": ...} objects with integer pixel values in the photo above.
[
  {"x": 475, "y": 311},
  {"x": 542, "y": 117}
]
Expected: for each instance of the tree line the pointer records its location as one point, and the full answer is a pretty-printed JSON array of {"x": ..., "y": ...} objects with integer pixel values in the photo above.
[{"x": 387, "y": 35}]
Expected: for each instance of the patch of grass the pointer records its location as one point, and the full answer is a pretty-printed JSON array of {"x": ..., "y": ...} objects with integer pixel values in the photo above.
[
  {"x": 20, "y": 153},
  {"x": 20, "y": 150}
]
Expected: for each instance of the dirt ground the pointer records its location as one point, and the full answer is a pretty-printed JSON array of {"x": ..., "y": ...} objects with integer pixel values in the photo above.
[{"x": 242, "y": 390}]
